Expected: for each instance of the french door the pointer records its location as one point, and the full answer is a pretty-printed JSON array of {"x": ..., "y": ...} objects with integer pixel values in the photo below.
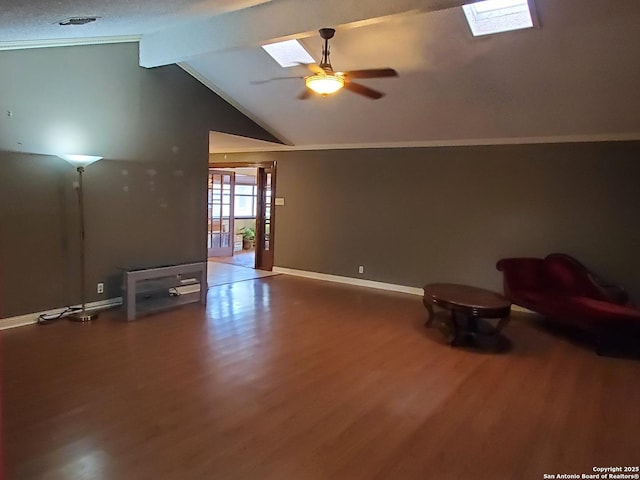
[
  {"x": 220, "y": 212},
  {"x": 264, "y": 218}
]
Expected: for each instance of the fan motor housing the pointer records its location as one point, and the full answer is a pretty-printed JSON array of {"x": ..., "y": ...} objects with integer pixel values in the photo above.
[{"x": 327, "y": 33}]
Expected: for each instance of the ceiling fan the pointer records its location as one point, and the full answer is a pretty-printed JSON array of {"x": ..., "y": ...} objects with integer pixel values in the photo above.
[{"x": 325, "y": 81}]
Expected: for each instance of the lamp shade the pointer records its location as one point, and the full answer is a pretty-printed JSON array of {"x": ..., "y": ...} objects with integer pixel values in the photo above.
[
  {"x": 80, "y": 160},
  {"x": 324, "y": 84}
]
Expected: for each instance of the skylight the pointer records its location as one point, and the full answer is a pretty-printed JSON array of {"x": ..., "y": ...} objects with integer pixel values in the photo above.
[
  {"x": 288, "y": 53},
  {"x": 495, "y": 16}
]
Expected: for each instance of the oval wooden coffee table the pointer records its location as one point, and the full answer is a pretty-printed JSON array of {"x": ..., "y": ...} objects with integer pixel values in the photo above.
[{"x": 467, "y": 305}]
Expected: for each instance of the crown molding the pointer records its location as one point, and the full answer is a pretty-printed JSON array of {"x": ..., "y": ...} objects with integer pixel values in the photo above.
[
  {"x": 605, "y": 137},
  {"x": 66, "y": 42}
]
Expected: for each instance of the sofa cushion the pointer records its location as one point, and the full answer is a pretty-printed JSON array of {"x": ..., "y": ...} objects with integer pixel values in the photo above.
[
  {"x": 604, "y": 310},
  {"x": 581, "y": 311},
  {"x": 547, "y": 304}
]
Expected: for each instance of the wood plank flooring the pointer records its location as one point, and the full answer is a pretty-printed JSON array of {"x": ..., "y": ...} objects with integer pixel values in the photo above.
[{"x": 288, "y": 378}]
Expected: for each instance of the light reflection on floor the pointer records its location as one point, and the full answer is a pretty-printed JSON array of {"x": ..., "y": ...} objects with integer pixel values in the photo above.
[
  {"x": 240, "y": 324},
  {"x": 89, "y": 464},
  {"x": 227, "y": 302}
]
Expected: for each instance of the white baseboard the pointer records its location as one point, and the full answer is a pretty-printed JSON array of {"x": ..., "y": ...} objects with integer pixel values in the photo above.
[
  {"x": 31, "y": 318},
  {"x": 350, "y": 281},
  {"x": 366, "y": 283}
]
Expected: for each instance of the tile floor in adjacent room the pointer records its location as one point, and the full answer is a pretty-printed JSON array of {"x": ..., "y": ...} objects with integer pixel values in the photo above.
[
  {"x": 222, "y": 273},
  {"x": 242, "y": 258}
]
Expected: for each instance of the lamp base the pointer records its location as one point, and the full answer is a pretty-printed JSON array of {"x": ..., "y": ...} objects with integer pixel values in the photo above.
[{"x": 83, "y": 316}]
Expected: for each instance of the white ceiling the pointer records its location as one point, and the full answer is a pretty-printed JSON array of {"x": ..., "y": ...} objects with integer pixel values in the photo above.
[
  {"x": 575, "y": 78},
  {"x": 30, "y": 20}
]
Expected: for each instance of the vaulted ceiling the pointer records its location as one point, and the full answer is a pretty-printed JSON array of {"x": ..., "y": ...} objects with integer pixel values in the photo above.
[{"x": 575, "y": 77}]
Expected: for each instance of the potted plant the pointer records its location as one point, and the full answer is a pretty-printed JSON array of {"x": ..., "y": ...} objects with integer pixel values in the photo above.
[{"x": 248, "y": 237}]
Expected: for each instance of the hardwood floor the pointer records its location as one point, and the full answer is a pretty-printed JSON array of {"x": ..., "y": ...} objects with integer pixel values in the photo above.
[{"x": 287, "y": 378}]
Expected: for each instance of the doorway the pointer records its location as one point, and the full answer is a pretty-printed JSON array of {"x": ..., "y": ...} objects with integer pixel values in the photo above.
[{"x": 241, "y": 215}]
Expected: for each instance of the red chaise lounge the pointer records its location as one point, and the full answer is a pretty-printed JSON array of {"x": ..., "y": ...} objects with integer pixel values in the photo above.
[{"x": 560, "y": 288}]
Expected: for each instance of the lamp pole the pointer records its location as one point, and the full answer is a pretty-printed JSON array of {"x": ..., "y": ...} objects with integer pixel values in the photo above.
[
  {"x": 80, "y": 162},
  {"x": 83, "y": 315}
]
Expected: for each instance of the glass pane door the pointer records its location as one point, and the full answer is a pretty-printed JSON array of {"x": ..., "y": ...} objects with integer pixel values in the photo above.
[{"x": 220, "y": 213}]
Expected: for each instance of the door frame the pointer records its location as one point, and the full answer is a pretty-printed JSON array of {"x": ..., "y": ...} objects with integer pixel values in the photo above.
[
  {"x": 265, "y": 164},
  {"x": 264, "y": 254}
]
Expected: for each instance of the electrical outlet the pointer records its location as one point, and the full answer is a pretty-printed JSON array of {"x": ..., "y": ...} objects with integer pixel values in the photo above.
[
  {"x": 361, "y": 269},
  {"x": 101, "y": 287}
]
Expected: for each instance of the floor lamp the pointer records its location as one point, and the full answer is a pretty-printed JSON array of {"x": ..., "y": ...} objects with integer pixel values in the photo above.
[{"x": 80, "y": 162}]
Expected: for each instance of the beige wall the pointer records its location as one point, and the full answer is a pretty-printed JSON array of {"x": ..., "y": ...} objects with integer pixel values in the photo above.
[
  {"x": 414, "y": 216},
  {"x": 145, "y": 202}
]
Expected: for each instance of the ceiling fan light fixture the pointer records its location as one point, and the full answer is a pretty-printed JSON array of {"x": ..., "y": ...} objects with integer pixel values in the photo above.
[{"x": 324, "y": 83}]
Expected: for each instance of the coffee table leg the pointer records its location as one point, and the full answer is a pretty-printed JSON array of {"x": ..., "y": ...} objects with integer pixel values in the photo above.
[
  {"x": 430, "y": 314},
  {"x": 472, "y": 325},
  {"x": 502, "y": 322},
  {"x": 454, "y": 330}
]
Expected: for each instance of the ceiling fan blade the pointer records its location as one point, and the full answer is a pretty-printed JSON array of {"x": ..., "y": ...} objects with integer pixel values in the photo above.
[
  {"x": 305, "y": 94},
  {"x": 260, "y": 82},
  {"x": 362, "y": 90},
  {"x": 371, "y": 73}
]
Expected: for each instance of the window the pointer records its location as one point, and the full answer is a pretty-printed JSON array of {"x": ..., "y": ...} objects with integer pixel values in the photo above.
[
  {"x": 495, "y": 16},
  {"x": 219, "y": 199},
  {"x": 289, "y": 53},
  {"x": 245, "y": 198}
]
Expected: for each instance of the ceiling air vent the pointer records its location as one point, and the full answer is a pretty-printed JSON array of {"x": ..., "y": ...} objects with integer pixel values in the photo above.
[{"x": 77, "y": 21}]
